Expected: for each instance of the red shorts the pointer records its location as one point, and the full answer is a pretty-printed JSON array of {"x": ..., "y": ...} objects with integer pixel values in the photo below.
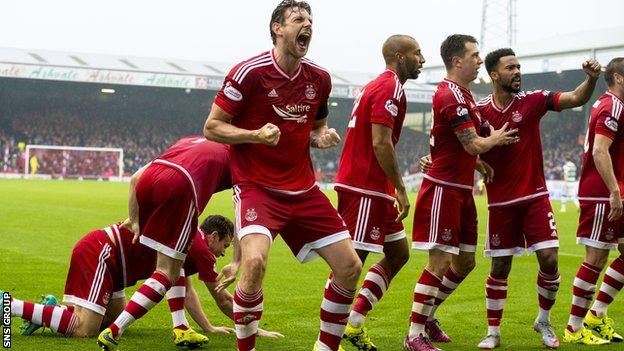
[
  {"x": 526, "y": 226},
  {"x": 370, "y": 220},
  {"x": 92, "y": 279},
  {"x": 306, "y": 221},
  {"x": 445, "y": 219},
  {"x": 167, "y": 213},
  {"x": 594, "y": 228}
]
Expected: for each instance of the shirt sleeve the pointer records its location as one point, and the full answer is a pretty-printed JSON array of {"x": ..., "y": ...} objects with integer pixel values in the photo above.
[
  {"x": 385, "y": 105},
  {"x": 606, "y": 124},
  {"x": 235, "y": 91},
  {"x": 458, "y": 116},
  {"x": 552, "y": 100}
]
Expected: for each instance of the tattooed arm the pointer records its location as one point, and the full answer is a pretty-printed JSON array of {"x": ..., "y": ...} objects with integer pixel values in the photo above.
[{"x": 475, "y": 145}]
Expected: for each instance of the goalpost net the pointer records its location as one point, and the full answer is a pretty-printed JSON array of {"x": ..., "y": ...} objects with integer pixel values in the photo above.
[{"x": 76, "y": 162}]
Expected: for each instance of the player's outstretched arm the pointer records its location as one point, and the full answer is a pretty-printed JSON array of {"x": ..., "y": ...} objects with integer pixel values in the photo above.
[
  {"x": 584, "y": 91},
  {"x": 323, "y": 137},
  {"x": 386, "y": 157},
  {"x": 132, "y": 222},
  {"x": 225, "y": 301},
  {"x": 218, "y": 128},
  {"x": 193, "y": 306},
  {"x": 475, "y": 145},
  {"x": 604, "y": 165}
]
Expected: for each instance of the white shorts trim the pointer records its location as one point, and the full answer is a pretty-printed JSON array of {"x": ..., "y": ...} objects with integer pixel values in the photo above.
[
  {"x": 308, "y": 253},
  {"x": 598, "y": 244},
  {"x": 368, "y": 247},
  {"x": 515, "y": 251},
  {"x": 342, "y": 187},
  {"x": 121, "y": 294},
  {"x": 548, "y": 244},
  {"x": 455, "y": 185},
  {"x": 520, "y": 199},
  {"x": 255, "y": 229},
  {"x": 85, "y": 304},
  {"x": 155, "y": 245},
  {"x": 395, "y": 236},
  {"x": 467, "y": 248},
  {"x": 426, "y": 246}
]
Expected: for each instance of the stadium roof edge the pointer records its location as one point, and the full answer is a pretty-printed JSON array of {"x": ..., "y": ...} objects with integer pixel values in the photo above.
[
  {"x": 176, "y": 73},
  {"x": 557, "y": 53}
]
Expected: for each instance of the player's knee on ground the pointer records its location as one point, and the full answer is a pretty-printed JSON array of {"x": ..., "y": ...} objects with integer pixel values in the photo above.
[{"x": 87, "y": 323}]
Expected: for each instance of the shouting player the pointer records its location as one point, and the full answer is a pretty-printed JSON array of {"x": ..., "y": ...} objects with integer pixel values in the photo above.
[
  {"x": 369, "y": 181},
  {"x": 272, "y": 108},
  {"x": 520, "y": 215},
  {"x": 445, "y": 220},
  {"x": 601, "y": 226}
]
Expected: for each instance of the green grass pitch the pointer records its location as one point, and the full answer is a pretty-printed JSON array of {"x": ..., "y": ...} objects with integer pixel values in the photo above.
[{"x": 41, "y": 220}]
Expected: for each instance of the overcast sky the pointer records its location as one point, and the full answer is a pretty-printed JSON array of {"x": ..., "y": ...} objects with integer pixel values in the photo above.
[{"x": 347, "y": 33}]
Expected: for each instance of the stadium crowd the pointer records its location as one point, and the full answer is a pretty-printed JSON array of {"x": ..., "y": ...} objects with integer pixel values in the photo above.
[{"x": 142, "y": 140}]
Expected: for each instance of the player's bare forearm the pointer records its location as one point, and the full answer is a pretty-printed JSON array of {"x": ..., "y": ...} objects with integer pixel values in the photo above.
[
  {"x": 578, "y": 96},
  {"x": 472, "y": 143},
  {"x": 193, "y": 306},
  {"x": 604, "y": 165},
  {"x": 226, "y": 133},
  {"x": 386, "y": 155},
  {"x": 133, "y": 205},
  {"x": 218, "y": 128},
  {"x": 224, "y": 300},
  {"x": 584, "y": 91}
]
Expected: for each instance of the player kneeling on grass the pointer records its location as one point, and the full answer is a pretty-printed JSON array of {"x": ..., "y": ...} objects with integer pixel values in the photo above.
[{"x": 106, "y": 261}]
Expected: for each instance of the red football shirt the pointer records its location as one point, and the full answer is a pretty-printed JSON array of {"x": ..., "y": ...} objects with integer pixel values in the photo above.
[
  {"x": 518, "y": 168},
  {"x": 604, "y": 120},
  {"x": 257, "y": 91},
  {"x": 381, "y": 101},
  {"x": 204, "y": 163},
  {"x": 201, "y": 260},
  {"x": 454, "y": 109}
]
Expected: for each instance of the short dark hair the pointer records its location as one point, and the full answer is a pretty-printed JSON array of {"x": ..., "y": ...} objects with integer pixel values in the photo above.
[
  {"x": 223, "y": 226},
  {"x": 280, "y": 11},
  {"x": 492, "y": 59},
  {"x": 615, "y": 66},
  {"x": 454, "y": 45}
]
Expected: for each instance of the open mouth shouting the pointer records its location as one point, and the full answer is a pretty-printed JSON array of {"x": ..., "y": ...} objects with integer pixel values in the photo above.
[{"x": 303, "y": 40}]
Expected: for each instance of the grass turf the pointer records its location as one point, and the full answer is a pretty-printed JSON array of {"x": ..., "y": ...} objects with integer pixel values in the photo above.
[{"x": 41, "y": 220}]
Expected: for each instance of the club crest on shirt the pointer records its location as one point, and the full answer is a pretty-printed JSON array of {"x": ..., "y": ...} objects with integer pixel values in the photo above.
[
  {"x": 447, "y": 235},
  {"x": 516, "y": 116},
  {"x": 231, "y": 92},
  {"x": 310, "y": 92},
  {"x": 375, "y": 233},
  {"x": 106, "y": 298},
  {"x": 609, "y": 234},
  {"x": 495, "y": 240},
  {"x": 392, "y": 108},
  {"x": 611, "y": 123},
  {"x": 251, "y": 215}
]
